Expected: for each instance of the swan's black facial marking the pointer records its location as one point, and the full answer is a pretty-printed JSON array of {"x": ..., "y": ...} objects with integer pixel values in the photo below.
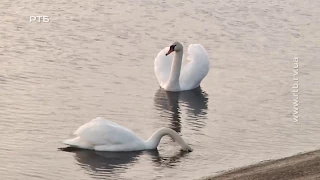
[{"x": 172, "y": 47}]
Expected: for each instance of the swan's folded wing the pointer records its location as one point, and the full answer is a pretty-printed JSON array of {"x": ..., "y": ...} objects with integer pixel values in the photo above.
[
  {"x": 100, "y": 131},
  {"x": 162, "y": 66},
  {"x": 195, "y": 68}
]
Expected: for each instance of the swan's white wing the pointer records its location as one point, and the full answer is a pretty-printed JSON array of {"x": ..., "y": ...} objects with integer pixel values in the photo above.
[
  {"x": 195, "y": 68},
  {"x": 100, "y": 131},
  {"x": 162, "y": 66}
]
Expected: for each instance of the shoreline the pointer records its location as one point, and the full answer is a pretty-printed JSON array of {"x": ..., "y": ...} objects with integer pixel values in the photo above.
[{"x": 300, "y": 166}]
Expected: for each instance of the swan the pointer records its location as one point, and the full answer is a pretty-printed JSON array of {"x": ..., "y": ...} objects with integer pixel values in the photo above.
[
  {"x": 103, "y": 135},
  {"x": 173, "y": 74}
]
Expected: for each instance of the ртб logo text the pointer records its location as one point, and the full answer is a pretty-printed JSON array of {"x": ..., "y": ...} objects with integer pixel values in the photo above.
[{"x": 39, "y": 19}]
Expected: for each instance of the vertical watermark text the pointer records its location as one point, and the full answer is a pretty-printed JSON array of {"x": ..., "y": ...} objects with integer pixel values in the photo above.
[{"x": 295, "y": 90}]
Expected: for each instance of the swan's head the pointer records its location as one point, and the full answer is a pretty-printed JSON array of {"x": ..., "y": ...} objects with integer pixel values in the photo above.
[
  {"x": 176, "y": 46},
  {"x": 187, "y": 148}
]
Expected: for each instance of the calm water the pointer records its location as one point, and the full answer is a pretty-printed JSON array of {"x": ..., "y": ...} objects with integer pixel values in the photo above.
[{"x": 95, "y": 58}]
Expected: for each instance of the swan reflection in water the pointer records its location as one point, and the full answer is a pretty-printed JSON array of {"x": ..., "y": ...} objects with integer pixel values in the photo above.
[
  {"x": 195, "y": 101},
  {"x": 106, "y": 165}
]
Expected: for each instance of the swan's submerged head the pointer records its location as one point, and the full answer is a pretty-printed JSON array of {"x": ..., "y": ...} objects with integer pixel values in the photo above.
[
  {"x": 176, "y": 46},
  {"x": 154, "y": 140},
  {"x": 186, "y": 148}
]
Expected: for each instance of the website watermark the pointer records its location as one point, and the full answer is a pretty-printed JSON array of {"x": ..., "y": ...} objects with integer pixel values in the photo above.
[
  {"x": 39, "y": 19},
  {"x": 295, "y": 90}
]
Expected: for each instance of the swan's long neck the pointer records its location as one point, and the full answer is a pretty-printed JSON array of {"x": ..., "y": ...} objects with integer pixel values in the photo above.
[
  {"x": 175, "y": 70},
  {"x": 154, "y": 140}
]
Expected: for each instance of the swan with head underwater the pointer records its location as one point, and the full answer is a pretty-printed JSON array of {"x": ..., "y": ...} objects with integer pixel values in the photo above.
[
  {"x": 174, "y": 74},
  {"x": 103, "y": 135}
]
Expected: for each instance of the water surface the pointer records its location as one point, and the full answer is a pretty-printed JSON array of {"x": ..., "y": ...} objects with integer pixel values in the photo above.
[{"x": 95, "y": 58}]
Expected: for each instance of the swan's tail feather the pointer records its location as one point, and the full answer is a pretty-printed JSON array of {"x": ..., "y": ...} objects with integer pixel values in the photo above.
[{"x": 78, "y": 143}]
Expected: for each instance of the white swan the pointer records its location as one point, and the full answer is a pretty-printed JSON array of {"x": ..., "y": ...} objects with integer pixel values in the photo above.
[
  {"x": 102, "y": 135},
  {"x": 173, "y": 74}
]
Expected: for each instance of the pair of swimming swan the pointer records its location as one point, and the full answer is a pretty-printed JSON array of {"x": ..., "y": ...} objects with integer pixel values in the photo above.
[{"x": 173, "y": 75}]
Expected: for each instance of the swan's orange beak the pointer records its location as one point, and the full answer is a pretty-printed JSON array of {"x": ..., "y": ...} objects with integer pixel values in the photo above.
[{"x": 170, "y": 51}]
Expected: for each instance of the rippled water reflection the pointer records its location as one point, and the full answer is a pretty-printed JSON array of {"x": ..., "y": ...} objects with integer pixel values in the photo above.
[
  {"x": 195, "y": 103},
  {"x": 108, "y": 165},
  {"x": 95, "y": 58}
]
